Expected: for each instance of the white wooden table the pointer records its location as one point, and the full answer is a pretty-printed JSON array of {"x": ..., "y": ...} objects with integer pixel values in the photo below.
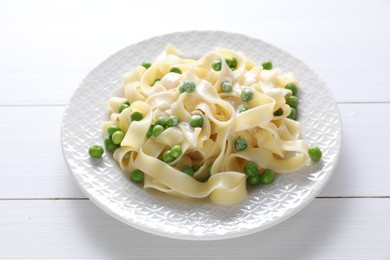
[{"x": 47, "y": 47}]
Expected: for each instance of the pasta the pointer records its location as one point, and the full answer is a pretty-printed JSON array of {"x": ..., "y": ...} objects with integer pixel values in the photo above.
[{"x": 192, "y": 126}]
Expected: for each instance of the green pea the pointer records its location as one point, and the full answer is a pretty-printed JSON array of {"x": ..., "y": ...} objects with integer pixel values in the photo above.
[
  {"x": 293, "y": 88},
  {"x": 293, "y": 114},
  {"x": 167, "y": 156},
  {"x": 112, "y": 129},
  {"x": 117, "y": 137},
  {"x": 240, "y": 144},
  {"x": 209, "y": 168},
  {"x": 315, "y": 153},
  {"x": 253, "y": 180},
  {"x": 196, "y": 121},
  {"x": 187, "y": 170},
  {"x": 268, "y": 176},
  {"x": 157, "y": 130},
  {"x": 176, "y": 151},
  {"x": 96, "y": 151},
  {"x": 176, "y": 70},
  {"x": 292, "y": 101},
  {"x": 195, "y": 168},
  {"x": 136, "y": 116},
  {"x": 146, "y": 64},
  {"x": 109, "y": 145},
  {"x": 150, "y": 131},
  {"x": 137, "y": 176},
  {"x": 228, "y": 61},
  {"x": 188, "y": 86},
  {"x": 172, "y": 121},
  {"x": 267, "y": 64},
  {"x": 227, "y": 87},
  {"x": 161, "y": 121},
  {"x": 155, "y": 81},
  {"x": 217, "y": 65},
  {"x": 251, "y": 169},
  {"x": 182, "y": 89},
  {"x": 278, "y": 112},
  {"x": 242, "y": 109},
  {"x": 127, "y": 103},
  {"x": 122, "y": 107},
  {"x": 246, "y": 95},
  {"x": 232, "y": 63}
]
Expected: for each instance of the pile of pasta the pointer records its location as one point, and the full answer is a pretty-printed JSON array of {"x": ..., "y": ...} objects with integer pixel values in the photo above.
[{"x": 272, "y": 140}]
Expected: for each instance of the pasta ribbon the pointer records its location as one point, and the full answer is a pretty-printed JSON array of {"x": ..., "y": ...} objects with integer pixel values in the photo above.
[{"x": 202, "y": 107}]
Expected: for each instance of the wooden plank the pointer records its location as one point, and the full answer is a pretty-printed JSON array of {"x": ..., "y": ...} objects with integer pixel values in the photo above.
[
  {"x": 33, "y": 166},
  {"x": 46, "y": 54},
  {"x": 326, "y": 229}
]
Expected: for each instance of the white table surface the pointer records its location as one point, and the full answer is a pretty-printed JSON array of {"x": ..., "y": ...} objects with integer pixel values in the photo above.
[{"x": 47, "y": 47}]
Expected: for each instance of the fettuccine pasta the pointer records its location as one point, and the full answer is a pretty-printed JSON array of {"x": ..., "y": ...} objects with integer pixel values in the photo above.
[{"x": 192, "y": 127}]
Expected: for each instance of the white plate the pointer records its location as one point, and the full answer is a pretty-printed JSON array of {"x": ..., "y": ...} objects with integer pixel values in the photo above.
[{"x": 104, "y": 183}]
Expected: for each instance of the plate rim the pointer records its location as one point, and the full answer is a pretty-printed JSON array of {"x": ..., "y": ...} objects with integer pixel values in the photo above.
[{"x": 191, "y": 237}]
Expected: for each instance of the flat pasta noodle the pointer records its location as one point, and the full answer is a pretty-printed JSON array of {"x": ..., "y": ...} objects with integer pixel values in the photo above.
[{"x": 272, "y": 139}]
